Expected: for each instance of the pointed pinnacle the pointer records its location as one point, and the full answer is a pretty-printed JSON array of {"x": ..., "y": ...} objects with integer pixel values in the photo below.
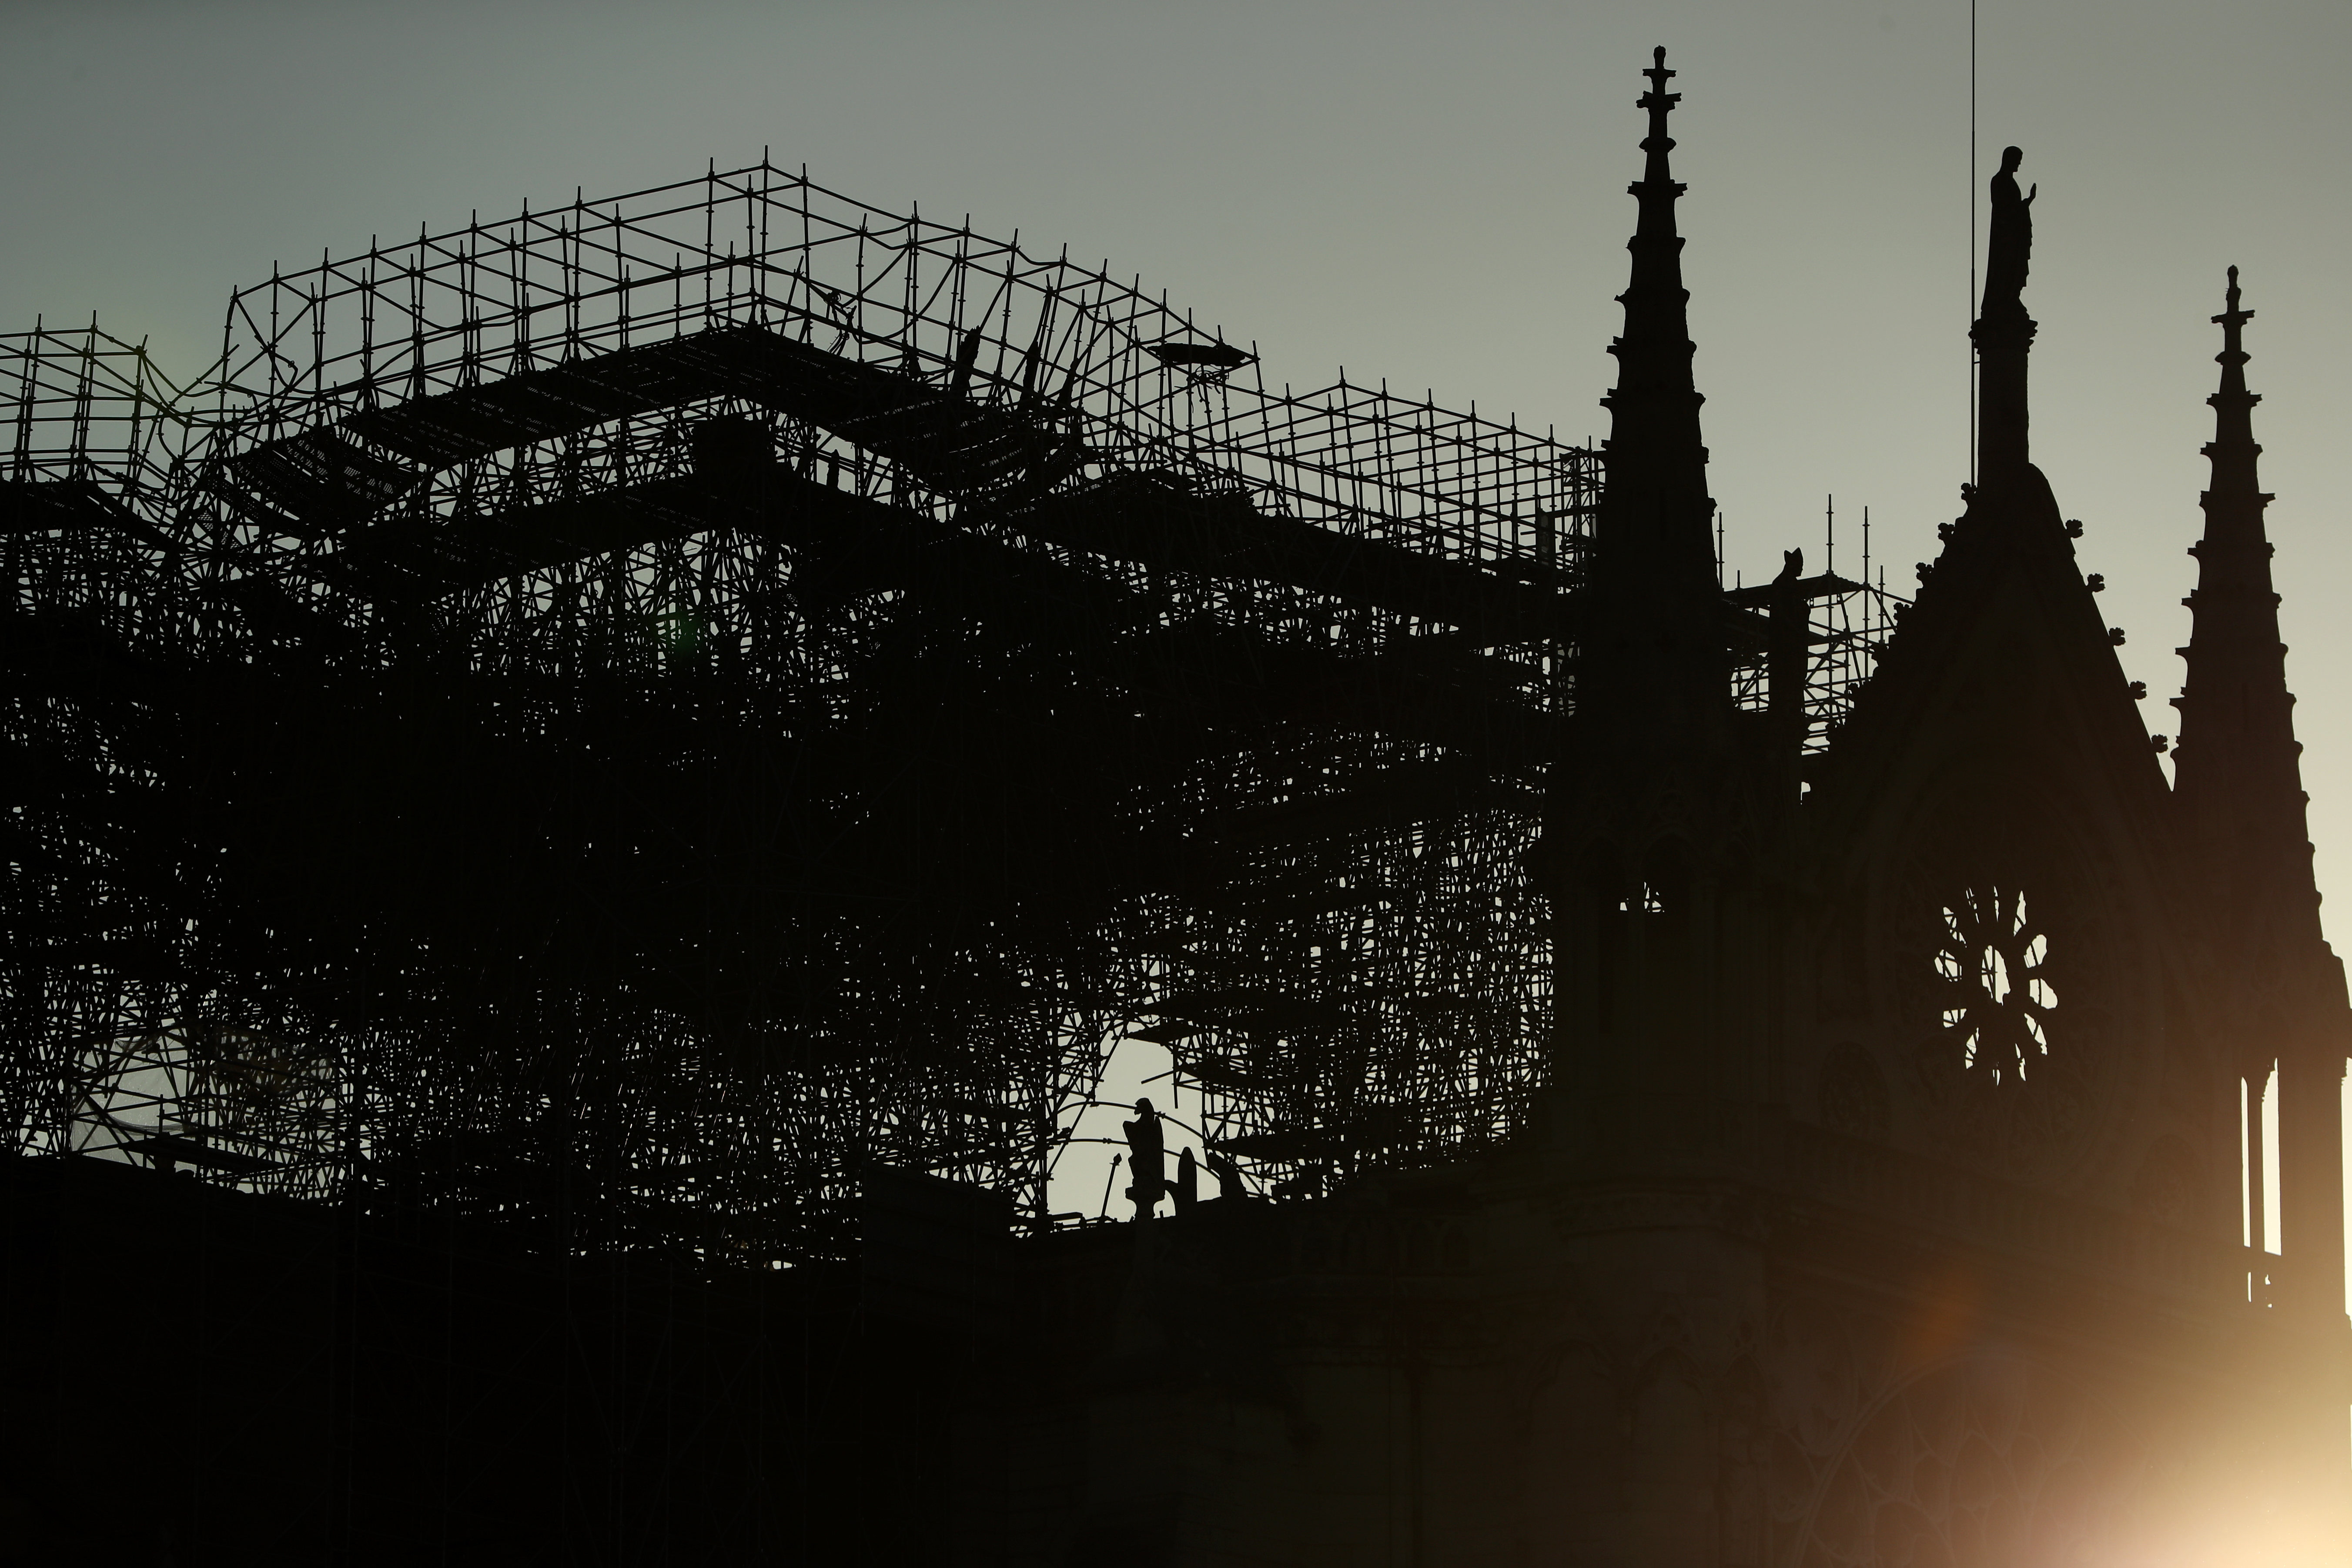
[
  {"x": 2233, "y": 398},
  {"x": 1658, "y": 96},
  {"x": 2232, "y": 322}
]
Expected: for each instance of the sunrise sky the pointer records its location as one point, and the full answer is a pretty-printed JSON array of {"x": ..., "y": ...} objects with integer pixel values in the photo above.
[{"x": 1431, "y": 193}]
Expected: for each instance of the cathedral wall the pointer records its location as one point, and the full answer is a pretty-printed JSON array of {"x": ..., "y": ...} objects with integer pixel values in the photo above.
[{"x": 1716, "y": 1374}]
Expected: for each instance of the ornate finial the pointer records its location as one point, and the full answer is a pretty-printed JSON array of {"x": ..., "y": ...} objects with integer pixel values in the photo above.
[
  {"x": 1660, "y": 103},
  {"x": 2231, "y": 317},
  {"x": 2233, "y": 359},
  {"x": 1658, "y": 99}
]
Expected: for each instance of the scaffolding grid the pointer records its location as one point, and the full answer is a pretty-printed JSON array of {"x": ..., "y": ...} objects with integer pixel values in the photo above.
[{"x": 612, "y": 721}]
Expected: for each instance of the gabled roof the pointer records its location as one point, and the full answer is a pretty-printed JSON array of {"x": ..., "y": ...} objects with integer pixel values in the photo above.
[{"x": 2002, "y": 680}]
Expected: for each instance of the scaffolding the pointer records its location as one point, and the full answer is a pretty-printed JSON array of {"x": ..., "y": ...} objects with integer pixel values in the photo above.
[{"x": 613, "y": 722}]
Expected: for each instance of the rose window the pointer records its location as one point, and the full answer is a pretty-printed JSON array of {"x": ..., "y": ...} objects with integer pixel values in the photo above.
[{"x": 1997, "y": 1000}]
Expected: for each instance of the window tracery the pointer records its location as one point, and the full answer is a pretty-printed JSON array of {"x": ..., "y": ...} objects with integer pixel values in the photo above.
[
  {"x": 1998, "y": 1004},
  {"x": 1989, "y": 932}
]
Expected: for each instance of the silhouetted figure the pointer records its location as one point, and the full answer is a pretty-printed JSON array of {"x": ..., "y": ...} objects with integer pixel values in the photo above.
[
  {"x": 1187, "y": 1190},
  {"x": 967, "y": 356},
  {"x": 1791, "y": 637},
  {"x": 2004, "y": 336},
  {"x": 1228, "y": 1174},
  {"x": 2009, "y": 248},
  {"x": 1146, "y": 1159}
]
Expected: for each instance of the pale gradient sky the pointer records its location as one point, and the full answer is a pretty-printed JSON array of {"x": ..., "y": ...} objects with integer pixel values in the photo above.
[{"x": 1432, "y": 193}]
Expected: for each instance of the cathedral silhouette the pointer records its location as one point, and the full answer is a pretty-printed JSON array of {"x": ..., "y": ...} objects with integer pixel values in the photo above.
[
  {"x": 1885, "y": 1206},
  {"x": 568, "y": 893}
]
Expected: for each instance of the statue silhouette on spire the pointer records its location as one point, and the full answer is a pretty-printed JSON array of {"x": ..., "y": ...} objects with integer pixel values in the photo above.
[
  {"x": 2009, "y": 246},
  {"x": 2003, "y": 333}
]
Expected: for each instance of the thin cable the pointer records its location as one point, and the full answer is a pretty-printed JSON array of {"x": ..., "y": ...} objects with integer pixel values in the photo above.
[{"x": 1971, "y": 311}]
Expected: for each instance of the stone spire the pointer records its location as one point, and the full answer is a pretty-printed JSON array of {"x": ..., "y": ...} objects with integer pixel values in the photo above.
[
  {"x": 1653, "y": 657},
  {"x": 2237, "y": 767},
  {"x": 2239, "y": 785}
]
